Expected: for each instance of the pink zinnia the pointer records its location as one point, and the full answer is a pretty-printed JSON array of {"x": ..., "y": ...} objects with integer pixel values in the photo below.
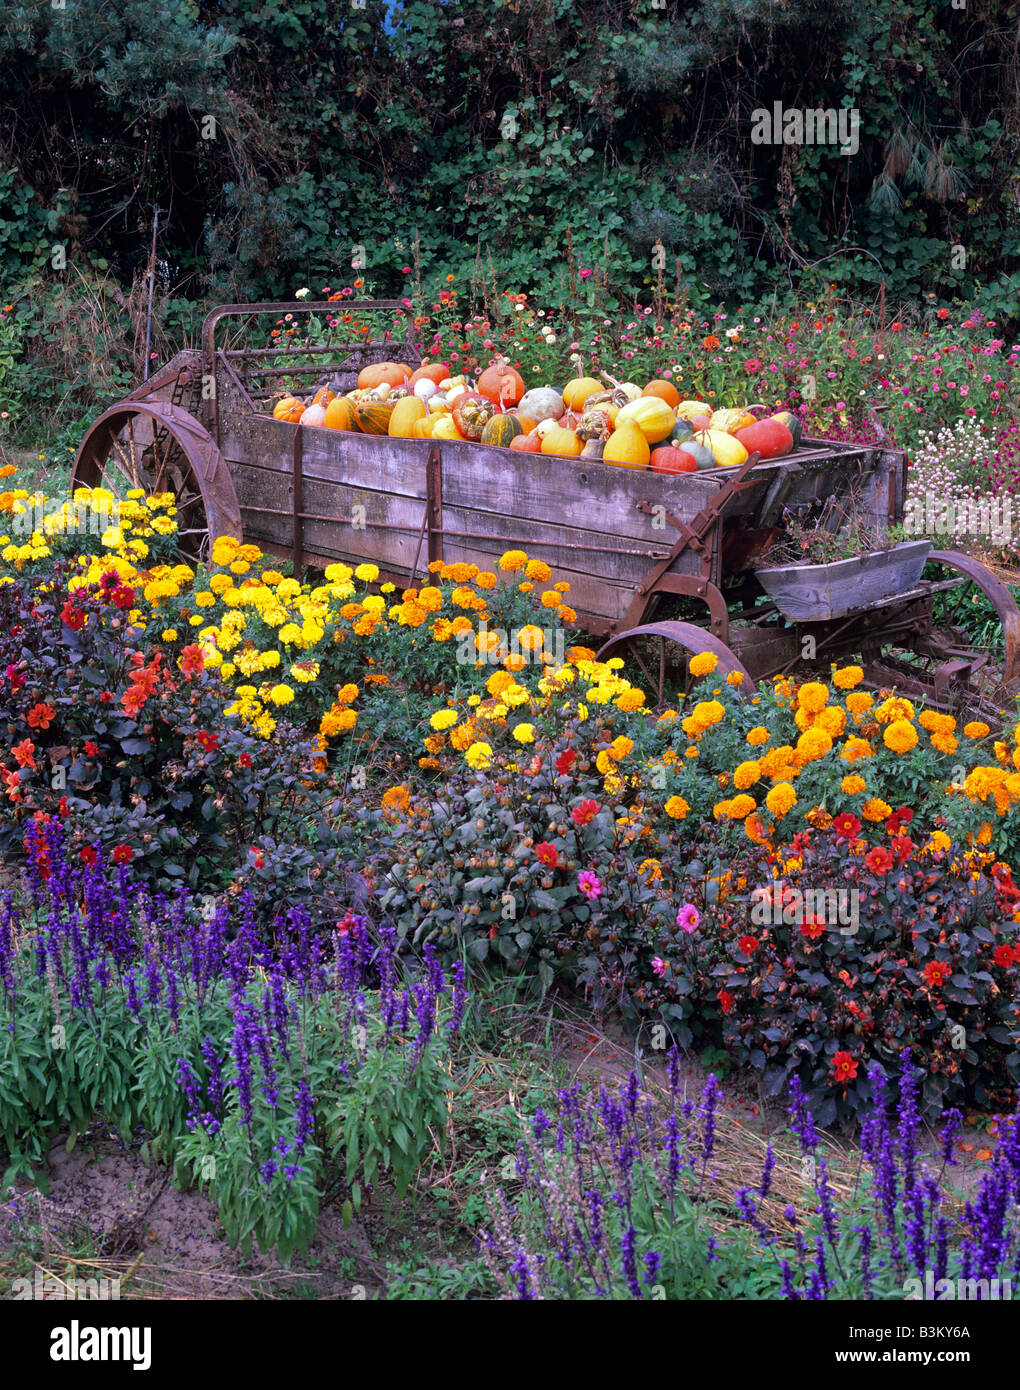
[
  {"x": 659, "y": 966},
  {"x": 688, "y": 917},
  {"x": 589, "y": 884}
]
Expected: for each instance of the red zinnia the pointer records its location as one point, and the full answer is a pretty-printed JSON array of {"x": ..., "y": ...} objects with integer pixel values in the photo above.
[
  {"x": 748, "y": 944},
  {"x": 88, "y": 855},
  {"x": 879, "y": 860},
  {"x": 123, "y": 596},
  {"x": 122, "y": 854},
  {"x": 587, "y": 811},
  {"x": 844, "y": 1068},
  {"x": 566, "y": 760},
  {"x": 41, "y": 716},
  {"x": 210, "y": 742},
  {"x": 725, "y": 1001},
  {"x": 547, "y": 854},
  {"x": 1004, "y": 956},
  {"x": 902, "y": 846},
  {"x": 244, "y": 760},
  {"x": 71, "y": 617},
  {"x": 846, "y": 826},
  {"x": 899, "y": 819},
  {"x": 811, "y": 927},
  {"x": 133, "y": 700},
  {"x": 936, "y": 972}
]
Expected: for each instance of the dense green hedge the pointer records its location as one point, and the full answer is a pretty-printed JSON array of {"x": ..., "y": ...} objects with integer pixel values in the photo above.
[{"x": 490, "y": 129}]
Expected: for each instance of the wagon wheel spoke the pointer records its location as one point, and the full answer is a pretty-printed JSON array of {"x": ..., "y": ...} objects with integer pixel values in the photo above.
[{"x": 686, "y": 639}]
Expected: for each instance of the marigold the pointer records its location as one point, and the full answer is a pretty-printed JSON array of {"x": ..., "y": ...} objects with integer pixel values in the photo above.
[
  {"x": 853, "y": 785},
  {"x": 900, "y": 736},
  {"x": 875, "y": 809},
  {"x": 443, "y": 719},
  {"x": 858, "y": 703},
  {"x": 630, "y": 701},
  {"x": 703, "y": 664},
  {"x": 512, "y": 560},
  {"x": 676, "y": 808},
  {"x": 757, "y": 736},
  {"x": 781, "y": 799},
  {"x": 856, "y": 749},
  {"x": 479, "y": 756},
  {"x": 813, "y": 696},
  {"x": 846, "y": 677},
  {"x": 976, "y": 729},
  {"x": 539, "y": 571}
]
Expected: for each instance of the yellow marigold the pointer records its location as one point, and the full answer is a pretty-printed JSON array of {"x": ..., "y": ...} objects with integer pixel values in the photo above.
[
  {"x": 479, "y": 756},
  {"x": 734, "y": 678},
  {"x": 604, "y": 762},
  {"x": 368, "y": 574},
  {"x": 498, "y": 682},
  {"x": 435, "y": 743},
  {"x": 652, "y": 868},
  {"x": 431, "y": 599},
  {"x": 896, "y": 707},
  {"x": 462, "y": 736},
  {"x": 875, "y": 809},
  {"x": 832, "y": 719},
  {"x": 976, "y": 729},
  {"x": 676, "y": 808},
  {"x": 900, "y": 736},
  {"x": 512, "y": 560},
  {"x": 630, "y": 701},
  {"x": 853, "y": 784},
  {"x": 621, "y": 747},
  {"x": 745, "y": 775},
  {"x": 396, "y": 798},
  {"x": 703, "y": 664},
  {"x": 858, "y": 703},
  {"x": 757, "y": 736},
  {"x": 855, "y": 749},
  {"x": 708, "y": 712},
  {"x": 524, "y": 733},
  {"x": 281, "y": 694},
  {"x": 937, "y": 843},
  {"x": 813, "y": 696},
  {"x": 539, "y": 571},
  {"x": 846, "y": 677},
  {"x": 205, "y": 600},
  {"x": 812, "y": 745},
  {"x": 781, "y": 799},
  {"x": 443, "y": 719}
]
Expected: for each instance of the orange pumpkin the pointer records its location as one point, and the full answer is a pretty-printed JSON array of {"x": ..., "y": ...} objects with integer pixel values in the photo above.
[
  {"x": 526, "y": 444},
  {"x": 431, "y": 371},
  {"x": 284, "y": 409},
  {"x": 323, "y": 396},
  {"x": 665, "y": 390},
  {"x": 392, "y": 373},
  {"x": 526, "y": 423},
  {"x": 501, "y": 384}
]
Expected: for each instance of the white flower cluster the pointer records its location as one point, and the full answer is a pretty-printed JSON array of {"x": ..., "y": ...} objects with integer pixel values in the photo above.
[{"x": 947, "y": 498}]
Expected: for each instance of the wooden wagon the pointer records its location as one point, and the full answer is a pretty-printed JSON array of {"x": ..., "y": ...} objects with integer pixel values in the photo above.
[{"x": 655, "y": 561}]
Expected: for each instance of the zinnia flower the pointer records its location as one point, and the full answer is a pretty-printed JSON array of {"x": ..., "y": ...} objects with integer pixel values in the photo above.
[
  {"x": 688, "y": 918},
  {"x": 589, "y": 884}
]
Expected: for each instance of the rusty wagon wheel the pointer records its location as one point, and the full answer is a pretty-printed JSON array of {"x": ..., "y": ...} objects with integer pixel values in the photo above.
[
  {"x": 656, "y": 650},
  {"x": 158, "y": 447},
  {"x": 959, "y": 672}
]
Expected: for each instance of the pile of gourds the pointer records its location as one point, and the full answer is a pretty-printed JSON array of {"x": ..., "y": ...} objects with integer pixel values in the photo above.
[{"x": 619, "y": 423}]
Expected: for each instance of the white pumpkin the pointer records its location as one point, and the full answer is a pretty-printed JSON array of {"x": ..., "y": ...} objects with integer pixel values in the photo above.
[
  {"x": 425, "y": 389},
  {"x": 314, "y": 415},
  {"x": 541, "y": 403}
]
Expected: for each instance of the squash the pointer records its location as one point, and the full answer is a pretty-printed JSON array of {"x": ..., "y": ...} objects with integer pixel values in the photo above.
[
  {"x": 688, "y": 409},
  {"x": 665, "y": 390},
  {"x": 392, "y": 373},
  {"x": 283, "y": 409},
  {"x": 700, "y": 453},
  {"x": 501, "y": 429},
  {"x": 727, "y": 451},
  {"x": 594, "y": 424},
  {"x": 406, "y": 414},
  {"x": 793, "y": 423},
  {"x": 422, "y": 429},
  {"x": 445, "y": 428},
  {"x": 667, "y": 458},
  {"x": 627, "y": 447},
  {"x": 683, "y": 429},
  {"x": 429, "y": 371},
  {"x": 652, "y": 416},
  {"x": 425, "y": 389},
  {"x": 373, "y": 417},
  {"x": 526, "y": 423},
  {"x": 561, "y": 441},
  {"x": 576, "y": 392},
  {"x": 340, "y": 414},
  {"x": 526, "y": 444},
  {"x": 593, "y": 449},
  {"x": 542, "y": 403},
  {"x": 771, "y": 438},
  {"x": 314, "y": 415},
  {"x": 729, "y": 421},
  {"x": 630, "y": 389},
  {"x": 501, "y": 383},
  {"x": 323, "y": 396},
  {"x": 472, "y": 412}
]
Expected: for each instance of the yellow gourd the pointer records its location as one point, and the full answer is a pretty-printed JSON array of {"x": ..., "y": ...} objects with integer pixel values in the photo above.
[
  {"x": 627, "y": 447},
  {"x": 687, "y": 410},
  {"x": 727, "y": 451},
  {"x": 653, "y": 417},
  {"x": 406, "y": 414},
  {"x": 561, "y": 441},
  {"x": 576, "y": 392}
]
